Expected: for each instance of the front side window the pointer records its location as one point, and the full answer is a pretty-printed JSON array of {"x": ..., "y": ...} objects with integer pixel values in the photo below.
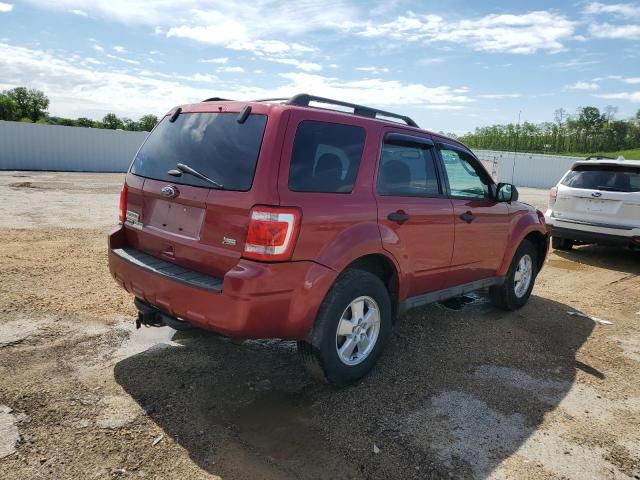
[
  {"x": 407, "y": 169},
  {"x": 325, "y": 157},
  {"x": 465, "y": 180}
]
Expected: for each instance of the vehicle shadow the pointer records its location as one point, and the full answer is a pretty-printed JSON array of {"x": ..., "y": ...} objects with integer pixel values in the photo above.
[
  {"x": 611, "y": 258},
  {"x": 456, "y": 393}
]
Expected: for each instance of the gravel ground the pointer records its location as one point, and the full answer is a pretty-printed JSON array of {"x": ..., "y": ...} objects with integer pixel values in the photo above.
[{"x": 461, "y": 391}]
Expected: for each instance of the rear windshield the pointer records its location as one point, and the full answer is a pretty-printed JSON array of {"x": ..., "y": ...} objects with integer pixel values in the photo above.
[
  {"x": 214, "y": 144},
  {"x": 614, "y": 178}
]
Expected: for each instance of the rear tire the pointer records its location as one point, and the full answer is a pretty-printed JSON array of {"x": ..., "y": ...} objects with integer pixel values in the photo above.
[
  {"x": 559, "y": 243},
  {"x": 517, "y": 286},
  {"x": 350, "y": 331}
]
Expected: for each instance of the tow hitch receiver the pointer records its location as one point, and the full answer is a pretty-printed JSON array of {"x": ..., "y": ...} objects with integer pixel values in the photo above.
[{"x": 152, "y": 317}]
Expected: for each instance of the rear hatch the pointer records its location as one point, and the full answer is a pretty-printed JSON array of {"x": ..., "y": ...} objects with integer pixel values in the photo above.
[
  {"x": 197, "y": 223},
  {"x": 606, "y": 195}
]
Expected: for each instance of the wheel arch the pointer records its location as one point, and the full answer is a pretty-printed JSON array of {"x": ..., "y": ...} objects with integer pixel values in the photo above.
[{"x": 384, "y": 268}]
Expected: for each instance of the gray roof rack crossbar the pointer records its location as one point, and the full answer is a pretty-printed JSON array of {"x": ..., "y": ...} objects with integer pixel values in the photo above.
[{"x": 304, "y": 99}]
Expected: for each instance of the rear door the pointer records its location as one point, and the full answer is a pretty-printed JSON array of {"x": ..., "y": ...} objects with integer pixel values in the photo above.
[
  {"x": 599, "y": 194},
  {"x": 481, "y": 223},
  {"x": 415, "y": 217},
  {"x": 185, "y": 219}
]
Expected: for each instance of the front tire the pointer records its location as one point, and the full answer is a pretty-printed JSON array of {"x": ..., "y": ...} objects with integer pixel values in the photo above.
[
  {"x": 517, "y": 286},
  {"x": 559, "y": 243},
  {"x": 351, "y": 328}
]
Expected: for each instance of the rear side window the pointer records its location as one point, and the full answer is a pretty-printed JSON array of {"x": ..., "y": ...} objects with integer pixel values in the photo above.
[
  {"x": 325, "y": 157},
  {"x": 407, "y": 169},
  {"x": 214, "y": 144},
  {"x": 614, "y": 178}
]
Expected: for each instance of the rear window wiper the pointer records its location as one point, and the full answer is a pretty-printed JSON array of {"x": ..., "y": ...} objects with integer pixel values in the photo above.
[{"x": 183, "y": 168}]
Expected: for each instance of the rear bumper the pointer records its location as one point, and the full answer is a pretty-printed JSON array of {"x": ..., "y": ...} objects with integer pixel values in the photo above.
[
  {"x": 595, "y": 237},
  {"x": 256, "y": 300}
]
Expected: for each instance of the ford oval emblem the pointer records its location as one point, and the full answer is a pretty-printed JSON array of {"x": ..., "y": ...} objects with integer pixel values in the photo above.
[
  {"x": 596, "y": 194},
  {"x": 169, "y": 191}
]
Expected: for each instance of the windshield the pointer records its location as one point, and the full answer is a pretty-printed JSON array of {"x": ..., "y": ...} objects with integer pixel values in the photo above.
[
  {"x": 616, "y": 178},
  {"x": 214, "y": 144}
]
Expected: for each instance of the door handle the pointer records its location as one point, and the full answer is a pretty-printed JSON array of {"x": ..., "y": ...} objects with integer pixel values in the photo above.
[
  {"x": 399, "y": 217},
  {"x": 468, "y": 217}
]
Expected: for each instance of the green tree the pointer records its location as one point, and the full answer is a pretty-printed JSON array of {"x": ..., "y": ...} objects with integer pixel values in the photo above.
[
  {"x": 8, "y": 108},
  {"x": 85, "y": 122},
  {"x": 32, "y": 104},
  {"x": 147, "y": 122},
  {"x": 112, "y": 122}
]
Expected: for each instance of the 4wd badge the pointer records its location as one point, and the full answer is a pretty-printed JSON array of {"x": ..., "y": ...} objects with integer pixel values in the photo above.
[{"x": 228, "y": 241}]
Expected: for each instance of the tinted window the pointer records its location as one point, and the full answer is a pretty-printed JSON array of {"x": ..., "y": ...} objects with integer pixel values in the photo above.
[
  {"x": 215, "y": 144},
  {"x": 465, "y": 179},
  {"x": 325, "y": 157},
  {"x": 407, "y": 169},
  {"x": 604, "y": 177}
]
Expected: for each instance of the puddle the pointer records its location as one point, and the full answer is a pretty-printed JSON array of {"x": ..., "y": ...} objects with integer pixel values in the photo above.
[
  {"x": 564, "y": 264},
  {"x": 145, "y": 339}
]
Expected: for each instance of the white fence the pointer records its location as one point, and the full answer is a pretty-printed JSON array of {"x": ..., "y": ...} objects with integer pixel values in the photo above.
[
  {"x": 33, "y": 146},
  {"x": 28, "y": 146},
  {"x": 526, "y": 169}
]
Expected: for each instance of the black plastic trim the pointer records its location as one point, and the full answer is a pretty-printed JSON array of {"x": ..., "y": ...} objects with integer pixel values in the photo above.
[
  {"x": 169, "y": 270},
  {"x": 444, "y": 294}
]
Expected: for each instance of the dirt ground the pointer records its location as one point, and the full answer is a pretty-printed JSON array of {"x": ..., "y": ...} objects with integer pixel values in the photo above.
[{"x": 462, "y": 391}]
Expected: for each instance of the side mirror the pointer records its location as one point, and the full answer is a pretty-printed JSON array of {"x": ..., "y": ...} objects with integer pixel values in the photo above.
[{"x": 505, "y": 192}]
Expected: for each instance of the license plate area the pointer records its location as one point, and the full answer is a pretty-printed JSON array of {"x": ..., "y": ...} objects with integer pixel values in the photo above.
[{"x": 175, "y": 218}]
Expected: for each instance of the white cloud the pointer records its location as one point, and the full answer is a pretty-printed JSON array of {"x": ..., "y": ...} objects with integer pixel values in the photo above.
[
  {"x": 76, "y": 90},
  {"x": 231, "y": 69},
  {"x": 98, "y": 48},
  {"x": 629, "y": 96},
  {"x": 119, "y": 49},
  {"x": 122, "y": 59},
  {"x": 499, "y": 96},
  {"x": 268, "y": 27},
  {"x": 79, "y": 12},
  {"x": 585, "y": 86},
  {"x": 374, "y": 70},
  {"x": 623, "y": 9},
  {"x": 302, "y": 65},
  {"x": 220, "y": 60},
  {"x": 632, "y": 80},
  {"x": 524, "y": 34},
  {"x": 620, "y": 32},
  {"x": 5, "y": 7}
]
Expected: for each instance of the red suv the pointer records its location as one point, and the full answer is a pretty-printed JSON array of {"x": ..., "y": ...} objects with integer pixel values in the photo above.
[{"x": 314, "y": 220}]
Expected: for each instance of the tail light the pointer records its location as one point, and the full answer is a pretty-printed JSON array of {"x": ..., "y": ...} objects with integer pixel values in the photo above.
[
  {"x": 123, "y": 203},
  {"x": 272, "y": 233},
  {"x": 636, "y": 240},
  {"x": 553, "y": 195}
]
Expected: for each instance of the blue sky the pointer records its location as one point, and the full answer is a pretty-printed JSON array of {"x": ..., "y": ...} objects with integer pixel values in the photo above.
[{"x": 451, "y": 65}]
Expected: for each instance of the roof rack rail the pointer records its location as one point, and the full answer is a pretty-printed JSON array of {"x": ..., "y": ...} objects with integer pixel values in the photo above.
[
  {"x": 217, "y": 99},
  {"x": 304, "y": 99}
]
